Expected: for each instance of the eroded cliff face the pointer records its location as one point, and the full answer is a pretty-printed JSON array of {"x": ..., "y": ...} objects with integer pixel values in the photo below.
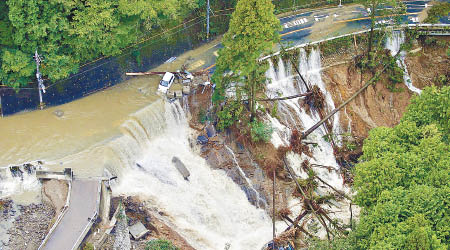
[{"x": 378, "y": 106}]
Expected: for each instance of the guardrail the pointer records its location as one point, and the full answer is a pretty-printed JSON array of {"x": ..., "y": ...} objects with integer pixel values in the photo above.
[{"x": 425, "y": 25}]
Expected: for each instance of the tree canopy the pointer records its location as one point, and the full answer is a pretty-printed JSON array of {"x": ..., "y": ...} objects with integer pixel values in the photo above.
[
  {"x": 403, "y": 181},
  {"x": 253, "y": 31},
  {"x": 68, "y": 33}
]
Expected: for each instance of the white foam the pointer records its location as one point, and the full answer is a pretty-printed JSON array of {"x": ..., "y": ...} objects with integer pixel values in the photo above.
[
  {"x": 209, "y": 210},
  {"x": 393, "y": 43}
]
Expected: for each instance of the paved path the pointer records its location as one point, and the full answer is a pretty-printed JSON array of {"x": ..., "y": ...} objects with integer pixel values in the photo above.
[{"x": 76, "y": 222}]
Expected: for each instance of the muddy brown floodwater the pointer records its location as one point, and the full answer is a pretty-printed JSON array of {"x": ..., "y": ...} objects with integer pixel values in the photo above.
[{"x": 75, "y": 139}]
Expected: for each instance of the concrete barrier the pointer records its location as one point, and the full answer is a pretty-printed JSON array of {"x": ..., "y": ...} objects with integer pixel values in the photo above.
[{"x": 67, "y": 175}]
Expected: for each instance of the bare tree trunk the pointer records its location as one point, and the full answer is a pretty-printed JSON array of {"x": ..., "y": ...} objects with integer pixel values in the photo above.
[
  {"x": 372, "y": 26},
  {"x": 273, "y": 208}
]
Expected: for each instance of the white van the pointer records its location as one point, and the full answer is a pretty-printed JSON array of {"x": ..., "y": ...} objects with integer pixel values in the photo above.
[{"x": 166, "y": 82}]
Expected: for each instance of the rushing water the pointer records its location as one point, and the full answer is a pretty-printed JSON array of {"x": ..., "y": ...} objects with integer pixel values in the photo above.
[
  {"x": 293, "y": 115},
  {"x": 393, "y": 43},
  {"x": 127, "y": 124},
  {"x": 209, "y": 210}
]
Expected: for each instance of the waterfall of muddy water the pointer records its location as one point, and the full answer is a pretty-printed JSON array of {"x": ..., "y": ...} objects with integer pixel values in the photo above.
[
  {"x": 78, "y": 139},
  {"x": 292, "y": 115},
  {"x": 209, "y": 210},
  {"x": 393, "y": 43}
]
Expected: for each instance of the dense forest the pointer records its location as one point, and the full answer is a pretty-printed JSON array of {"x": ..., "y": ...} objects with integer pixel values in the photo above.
[{"x": 68, "y": 33}]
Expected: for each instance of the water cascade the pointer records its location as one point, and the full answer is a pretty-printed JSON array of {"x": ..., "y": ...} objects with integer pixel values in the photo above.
[
  {"x": 293, "y": 115},
  {"x": 18, "y": 180},
  {"x": 252, "y": 191},
  {"x": 393, "y": 43},
  {"x": 209, "y": 210}
]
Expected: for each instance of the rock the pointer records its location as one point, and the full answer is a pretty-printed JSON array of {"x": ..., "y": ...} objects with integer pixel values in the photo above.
[
  {"x": 201, "y": 139},
  {"x": 138, "y": 230},
  {"x": 210, "y": 131}
]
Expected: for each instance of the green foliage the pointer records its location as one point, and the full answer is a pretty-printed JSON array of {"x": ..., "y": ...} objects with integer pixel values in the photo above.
[
  {"x": 402, "y": 156},
  {"x": 160, "y": 244},
  {"x": 203, "y": 116},
  {"x": 334, "y": 46},
  {"x": 403, "y": 180},
  {"x": 68, "y": 33},
  {"x": 260, "y": 131},
  {"x": 274, "y": 111},
  {"x": 431, "y": 107},
  {"x": 437, "y": 11},
  {"x": 394, "y": 72},
  {"x": 88, "y": 246},
  {"x": 376, "y": 8},
  {"x": 16, "y": 67},
  {"x": 253, "y": 31},
  {"x": 415, "y": 218},
  {"x": 231, "y": 112}
]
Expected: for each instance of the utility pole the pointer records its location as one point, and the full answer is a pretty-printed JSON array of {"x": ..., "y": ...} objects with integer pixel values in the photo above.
[
  {"x": 207, "y": 20},
  {"x": 41, "y": 86}
]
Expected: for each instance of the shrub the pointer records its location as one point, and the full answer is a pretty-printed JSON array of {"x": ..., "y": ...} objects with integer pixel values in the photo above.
[
  {"x": 202, "y": 116},
  {"x": 160, "y": 244},
  {"x": 260, "y": 131},
  {"x": 88, "y": 246}
]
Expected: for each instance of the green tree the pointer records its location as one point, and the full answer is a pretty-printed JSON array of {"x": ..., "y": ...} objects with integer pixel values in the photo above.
[
  {"x": 68, "y": 33},
  {"x": 403, "y": 181},
  {"x": 432, "y": 106},
  {"x": 253, "y": 31}
]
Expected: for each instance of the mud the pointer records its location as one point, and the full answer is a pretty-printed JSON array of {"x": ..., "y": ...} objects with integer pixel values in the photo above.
[{"x": 55, "y": 193}]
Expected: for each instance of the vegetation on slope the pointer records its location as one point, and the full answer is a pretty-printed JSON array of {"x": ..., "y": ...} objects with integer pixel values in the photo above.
[
  {"x": 253, "y": 31},
  {"x": 403, "y": 181}
]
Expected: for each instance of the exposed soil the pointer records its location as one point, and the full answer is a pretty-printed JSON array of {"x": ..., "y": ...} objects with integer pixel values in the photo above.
[
  {"x": 55, "y": 193},
  {"x": 378, "y": 106},
  {"x": 427, "y": 66}
]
